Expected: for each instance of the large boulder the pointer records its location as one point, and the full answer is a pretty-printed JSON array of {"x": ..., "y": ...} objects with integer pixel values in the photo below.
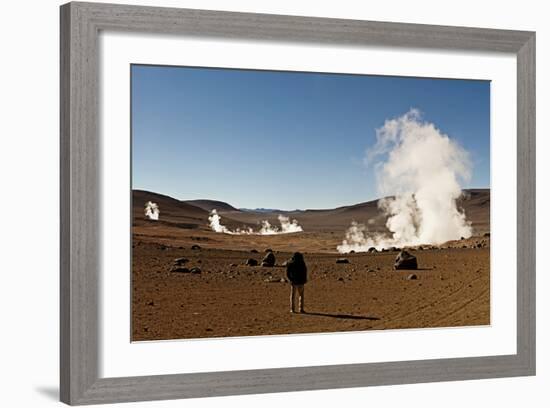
[
  {"x": 269, "y": 260},
  {"x": 405, "y": 261}
]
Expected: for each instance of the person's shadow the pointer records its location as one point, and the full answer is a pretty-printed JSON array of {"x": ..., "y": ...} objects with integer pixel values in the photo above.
[{"x": 342, "y": 316}]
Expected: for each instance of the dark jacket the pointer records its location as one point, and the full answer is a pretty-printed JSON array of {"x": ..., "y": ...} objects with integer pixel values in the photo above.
[{"x": 296, "y": 269}]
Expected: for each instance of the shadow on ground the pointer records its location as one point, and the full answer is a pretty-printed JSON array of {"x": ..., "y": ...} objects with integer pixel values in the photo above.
[
  {"x": 342, "y": 316},
  {"x": 51, "y": 393}
]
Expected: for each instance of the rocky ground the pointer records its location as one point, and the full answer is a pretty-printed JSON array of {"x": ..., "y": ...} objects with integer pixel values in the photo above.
[{"x": 224, "y": 297}]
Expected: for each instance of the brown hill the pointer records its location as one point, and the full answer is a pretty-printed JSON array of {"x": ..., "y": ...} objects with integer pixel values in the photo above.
[
  {"x": 194, "y": 213},
  {"x": 172, "y": 211},
  {"x": 210, "y": 205}
]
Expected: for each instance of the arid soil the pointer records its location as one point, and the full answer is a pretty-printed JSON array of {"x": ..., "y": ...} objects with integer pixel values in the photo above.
[{"x": 229, "y": 298}]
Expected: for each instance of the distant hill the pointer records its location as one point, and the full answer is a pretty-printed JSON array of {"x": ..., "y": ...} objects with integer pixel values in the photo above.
[
  {"x": 210, "y": 205},
  {"x": 194, "y": 213},
  {"x": 171, "y": 210},
  {"x": 181, "y": 213}
]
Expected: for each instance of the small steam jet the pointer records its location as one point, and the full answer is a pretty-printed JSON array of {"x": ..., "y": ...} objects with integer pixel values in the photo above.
[{"x": 152, "y": 210}]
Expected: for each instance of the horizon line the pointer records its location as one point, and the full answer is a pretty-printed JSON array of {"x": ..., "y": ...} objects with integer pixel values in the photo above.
[{"x": 278, "y": 209}]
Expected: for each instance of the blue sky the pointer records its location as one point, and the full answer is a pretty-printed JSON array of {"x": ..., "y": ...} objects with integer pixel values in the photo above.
[{"x": 285, "y": 140}]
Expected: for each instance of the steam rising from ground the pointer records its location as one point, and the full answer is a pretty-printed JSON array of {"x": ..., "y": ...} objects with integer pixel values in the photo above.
[
  {"x": 287, "y": 226},
  {"x": 421, "y": 174},
  {"x": 152, "y": 210}
]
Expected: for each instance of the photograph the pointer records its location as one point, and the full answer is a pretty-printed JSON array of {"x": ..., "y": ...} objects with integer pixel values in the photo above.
[{"x": 284, "y": 202}]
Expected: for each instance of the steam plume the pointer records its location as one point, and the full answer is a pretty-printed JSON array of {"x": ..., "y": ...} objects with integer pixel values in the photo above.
[
  {"x": 420, "y": 177},
  {"x": 215, "y": 223},
  {"x": 287, "y": 226},
  {"x": 152, "y": 210}
]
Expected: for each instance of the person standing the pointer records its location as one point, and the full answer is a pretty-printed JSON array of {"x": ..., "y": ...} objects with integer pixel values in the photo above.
[{"x": 296, "y": 272}]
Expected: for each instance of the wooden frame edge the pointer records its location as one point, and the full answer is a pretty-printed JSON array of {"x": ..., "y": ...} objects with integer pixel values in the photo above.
[{"x": 79, "y": 233}]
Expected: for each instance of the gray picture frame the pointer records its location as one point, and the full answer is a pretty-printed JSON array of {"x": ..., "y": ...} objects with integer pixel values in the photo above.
[{"x": 80, "y": 191}]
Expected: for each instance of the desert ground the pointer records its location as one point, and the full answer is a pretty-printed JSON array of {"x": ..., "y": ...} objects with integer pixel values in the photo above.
[{"x": 225, "y": 297}]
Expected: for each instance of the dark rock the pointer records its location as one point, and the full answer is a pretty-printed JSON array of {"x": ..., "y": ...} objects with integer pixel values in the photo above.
[
  {"x": 180, "y": 261},
  {"x": 372, "y": 250},
  {"x": 251, "y": 262},
  {"x": 268, "y": 250},
  {"x": 352, "y": 251},
  {"x": 269, "y": 260},
  {"x": 412, "y": 276},
  {"x": 342, "y": 261},
  {"x": 196, "y": 247},
  {"x": 196, "y": 270},
  {"x": 341, "y": 279},
  {"x": 254, "y": 251},
  {"x": 487, "y": 234},
  {"x": 405, "y": 261},
  {"x": 180, "y": 269}
]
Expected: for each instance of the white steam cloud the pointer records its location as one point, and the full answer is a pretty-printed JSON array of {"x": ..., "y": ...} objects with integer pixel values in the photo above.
[
  {"x": 152, "y": 210},
  {"x": 287, "y": 226},
  {"x": 422, "y": 174}
]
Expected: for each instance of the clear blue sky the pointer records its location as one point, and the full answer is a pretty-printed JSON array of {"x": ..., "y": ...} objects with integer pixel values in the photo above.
[{"x": 282, "y": 139}]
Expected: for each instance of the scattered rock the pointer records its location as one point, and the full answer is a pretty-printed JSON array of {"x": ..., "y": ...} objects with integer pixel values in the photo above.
[
  {"x": 233, "y": 265},
  {"x": 254, "y": 251},
  {"x": 196, "y": 269},
  {"x": 405, "y": 261},
  {"x": 284, "y": 264},
  {"x": 342, "y": 261},
  {"x": 269, "y": 260},
  {"x": 268, "y": 250},
  {"x": 251, "y": 262},
  {"x": 341, "y": 279},
  {"x": 352, "y": 251},
  {"x": 196, "y": 247},
  {"x": 420, "y": 248},
  {"x": 479, "y": 245},
  {"x": 487, "y": 234},
  {"x": 412, "y": 276},
  {"x": 372, "y": 250},
  {"x": 151, "y": 303},
  {"x": 180, "y": 261}
]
